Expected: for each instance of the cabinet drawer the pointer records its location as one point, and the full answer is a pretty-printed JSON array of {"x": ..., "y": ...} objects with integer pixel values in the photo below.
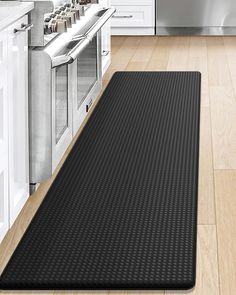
[
  {"x": 105, "y": 3},
  {"x": 133, "y": 16},
  {"x": 132, "y": 2}
]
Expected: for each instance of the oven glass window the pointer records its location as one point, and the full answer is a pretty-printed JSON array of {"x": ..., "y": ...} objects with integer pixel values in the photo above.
[
  {"x": 86, "y": 71},
  {"x": 61, "y": 101}
]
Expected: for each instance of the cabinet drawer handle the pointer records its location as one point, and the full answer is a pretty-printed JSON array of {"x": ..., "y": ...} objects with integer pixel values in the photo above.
[
  {"x": 122, "y": 16},
  {"x": 24, "y": 28},
  {"x": 105, "y": 52}
]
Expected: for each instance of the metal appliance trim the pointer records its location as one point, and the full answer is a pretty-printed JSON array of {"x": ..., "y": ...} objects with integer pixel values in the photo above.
[
  {"x": 36, "y": 38},
  {"x": 191, "y": 17},
  {"x": 40, "y": 135},
  {"x": 201, "y": 31},
  {"x": 66, "y": 138},
  {"x": 102, "y": 20},
  {"x": 93, "y": 94},
  {"x": 83, "y": 41}
]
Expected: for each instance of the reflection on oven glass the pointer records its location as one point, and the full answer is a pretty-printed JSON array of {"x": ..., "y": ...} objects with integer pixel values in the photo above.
[
  {"x": 61, "y": 101},
  {"x": 86, "y": 71}
]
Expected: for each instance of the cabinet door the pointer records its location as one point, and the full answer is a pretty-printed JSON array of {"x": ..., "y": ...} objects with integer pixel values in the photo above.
[
  {"x": 18, "y": 119},
  {"x": 106, "y": 46},
  {"x": 4, "y": 221}
]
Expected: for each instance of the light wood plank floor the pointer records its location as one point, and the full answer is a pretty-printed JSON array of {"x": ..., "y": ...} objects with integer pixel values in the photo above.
[{"x": 215, "y": 58}]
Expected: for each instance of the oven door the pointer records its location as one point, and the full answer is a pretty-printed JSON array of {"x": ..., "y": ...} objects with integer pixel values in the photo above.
[
  {"x": 86, "y": 80},
  {"x": 83, "y": 55},
  {"x": 61, "y": 112}
]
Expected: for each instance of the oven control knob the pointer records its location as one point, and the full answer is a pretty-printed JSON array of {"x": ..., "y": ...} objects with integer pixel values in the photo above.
[
  {"x": 81, "y": 9},
  {"x": 58, "y": 14},
  {"x": 77, "y": 13},
  {"x": 68, "y": 19},
  {"x": 59, "y": 26},
  {"x": 72, "y": 15},
  {"x": 47, "y": 20}
]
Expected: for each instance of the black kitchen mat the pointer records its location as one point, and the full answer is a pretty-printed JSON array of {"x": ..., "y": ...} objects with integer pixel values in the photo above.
[{"x": 122, "y": 212}]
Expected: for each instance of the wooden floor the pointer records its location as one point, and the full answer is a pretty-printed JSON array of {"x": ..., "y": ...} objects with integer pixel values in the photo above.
[{"x": 215, "y": 58}]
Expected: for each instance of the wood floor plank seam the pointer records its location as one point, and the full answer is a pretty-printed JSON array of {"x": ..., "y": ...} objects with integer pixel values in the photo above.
[
  {"x": 225, "y": 50},
  {"x": 141, "y": 62},
  {"x": 186, "y": 47},
  {"x": 229, "y": 69},
  {"x": 212, "y": 150},
  {"x": 223, "y": 169},
  {"x": 197, "y": 61},
  {"x": 162, "y": 47},
  {"x": 225, "y": 183}
]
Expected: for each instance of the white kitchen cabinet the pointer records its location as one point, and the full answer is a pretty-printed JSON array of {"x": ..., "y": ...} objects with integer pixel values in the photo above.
[
  {"x": 14, "y": 152},
  {"x": 18, "y": 118},
  {"x": 106, "y": 40},
  {"x": 4, "y": 217},
  {"x": 133, "y": 17},
  {"x": 106, "y": 46}
]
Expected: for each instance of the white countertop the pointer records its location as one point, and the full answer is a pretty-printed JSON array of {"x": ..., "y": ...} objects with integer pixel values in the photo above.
[{"x": 10, "y": 11}]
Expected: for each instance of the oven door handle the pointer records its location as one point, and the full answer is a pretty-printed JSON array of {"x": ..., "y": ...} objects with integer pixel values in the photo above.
[
  {"x": 83, "y": 40},
  {"x": 74, "y": 53},
  {"x": 71, "y": 56},
  {"x": 102, "y": 20},
  {"x": 61, "y": 60}
]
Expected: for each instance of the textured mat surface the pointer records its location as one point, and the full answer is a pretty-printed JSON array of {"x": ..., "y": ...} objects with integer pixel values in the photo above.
[{"x": 122, "y": 212}]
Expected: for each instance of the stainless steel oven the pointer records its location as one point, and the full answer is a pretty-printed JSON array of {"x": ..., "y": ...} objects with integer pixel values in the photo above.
[{"x": 65, "y": 80}]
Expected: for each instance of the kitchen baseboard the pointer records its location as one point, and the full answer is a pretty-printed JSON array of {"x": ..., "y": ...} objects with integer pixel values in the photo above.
[{"x": 132, "y": 31}]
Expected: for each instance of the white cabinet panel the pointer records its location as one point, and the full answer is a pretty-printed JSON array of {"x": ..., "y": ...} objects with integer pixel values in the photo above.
[
  {"x": 133, "y": 16},
  {"x": 106, "y": 46},
  {"x": 132, "y": 2},
  {"x": 3, "y": 137},
  {"x": 3, "y": 95},
  {"x": 106, "y": 40},
  {"x": 4, "y": 220},
  {"x": 105, "y": 3},
  {"x": 18, "y": 119}
]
